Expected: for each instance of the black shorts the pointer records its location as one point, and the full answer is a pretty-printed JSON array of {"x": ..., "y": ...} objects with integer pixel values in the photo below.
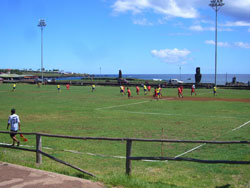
[{"x": 13, "y": 133}]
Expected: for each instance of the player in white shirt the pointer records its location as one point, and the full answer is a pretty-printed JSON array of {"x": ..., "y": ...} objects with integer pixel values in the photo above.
[
  {"x": 193, "y": 90},
  {"x": 14, "y": 123}
]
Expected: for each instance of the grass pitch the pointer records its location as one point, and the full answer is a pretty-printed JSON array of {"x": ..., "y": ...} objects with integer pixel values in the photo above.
[{"x": 106, "y": 113}]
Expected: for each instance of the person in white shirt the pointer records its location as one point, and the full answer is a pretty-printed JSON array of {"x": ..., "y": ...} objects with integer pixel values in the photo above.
[
  {"x": 193, "y": 90},
  {"x": 14, "y": 123}
]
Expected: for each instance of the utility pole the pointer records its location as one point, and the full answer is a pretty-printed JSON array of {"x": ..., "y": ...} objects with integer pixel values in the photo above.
[
  {"x": 216, "y": 5},
  {"x": 41, "y": 24}
]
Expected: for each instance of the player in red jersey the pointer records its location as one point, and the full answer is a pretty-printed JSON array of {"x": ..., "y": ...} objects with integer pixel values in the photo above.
[
  {"x": 149, "y": 88},
  {"x": 180, "y": 92},
  {"x": 67, "y": 86},
  {"x": 129, "y": 92},
  {"x": 137, "y": 90}
]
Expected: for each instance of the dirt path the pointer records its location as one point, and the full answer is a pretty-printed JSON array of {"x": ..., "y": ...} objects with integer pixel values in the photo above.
[
  {"x": 196, "y": 98},
  {"x": 15, "y": 176}
]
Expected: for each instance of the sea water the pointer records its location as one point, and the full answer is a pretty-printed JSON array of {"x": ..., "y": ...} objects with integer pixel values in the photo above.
[{"x": 186, "y": 78}]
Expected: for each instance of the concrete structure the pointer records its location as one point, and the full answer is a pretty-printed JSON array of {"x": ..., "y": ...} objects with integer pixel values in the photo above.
[{"x": 16, "y": 176}]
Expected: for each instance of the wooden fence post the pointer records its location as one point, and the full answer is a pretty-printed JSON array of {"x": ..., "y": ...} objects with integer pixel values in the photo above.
[
  {"x": 38, "y": 148},
  {"x": 128, "y": 154}
]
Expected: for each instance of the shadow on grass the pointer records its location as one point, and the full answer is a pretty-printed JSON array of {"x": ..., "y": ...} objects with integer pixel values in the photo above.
[
  {"x": 223, "y": 186},
  {"x": 83, "y": 176},
  {"x": 133, "y": 182}
]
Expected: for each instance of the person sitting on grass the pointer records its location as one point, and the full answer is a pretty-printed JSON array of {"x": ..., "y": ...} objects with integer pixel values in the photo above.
[{"x": 14, "y": 123}]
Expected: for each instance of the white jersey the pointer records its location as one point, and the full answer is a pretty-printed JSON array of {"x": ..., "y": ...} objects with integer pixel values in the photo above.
[
  {"x": 13, "y": 121},
  {"x": 193, "y": 86}
]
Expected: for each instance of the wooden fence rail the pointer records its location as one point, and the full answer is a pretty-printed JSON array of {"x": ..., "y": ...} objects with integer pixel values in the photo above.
[{"x": 129, "y": 141}]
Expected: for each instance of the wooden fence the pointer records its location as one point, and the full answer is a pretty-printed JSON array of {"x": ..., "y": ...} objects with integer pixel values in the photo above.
[{"x": 129, "y": 141}]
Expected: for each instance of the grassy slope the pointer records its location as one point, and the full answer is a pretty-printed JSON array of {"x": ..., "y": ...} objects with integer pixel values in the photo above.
[{"x": 77, "y": 112}]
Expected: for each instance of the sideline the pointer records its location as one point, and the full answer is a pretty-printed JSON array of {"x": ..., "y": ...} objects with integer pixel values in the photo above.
[
  {"x": 108, "y": 107},
  {"x": 193, "y": 149},
  {"x": 240, "y": 126},
  {"x": 166, "y": 114}
]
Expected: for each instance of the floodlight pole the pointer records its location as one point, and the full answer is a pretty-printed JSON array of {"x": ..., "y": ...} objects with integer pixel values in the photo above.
[
  {"x": 180, "y": 72},
  {"x": 216, "y": 4},
  {"x": 42, "y": 24}
]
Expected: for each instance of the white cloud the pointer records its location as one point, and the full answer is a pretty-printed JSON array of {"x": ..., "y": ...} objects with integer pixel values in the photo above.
[
  {"x": 236, "y": 24},
  {"x": 242, "y": 45},
  {"x": 201, "y": 28},
  {"x": 172, "y": 55},
  {"x": 222, "y": 44},
  {"x": 226, "y": 44},
  {"x": 238, "y": 10},
  {"x": 174, "y": 8},
  {"x": 142, "y": 21}
]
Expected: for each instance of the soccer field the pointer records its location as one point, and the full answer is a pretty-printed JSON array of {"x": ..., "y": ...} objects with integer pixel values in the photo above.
[{"x": 106, "y": 113}]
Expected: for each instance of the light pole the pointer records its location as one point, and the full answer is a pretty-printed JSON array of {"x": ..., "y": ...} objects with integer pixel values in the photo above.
[
  {"x": 180, "y": 72},
  {"x": 41, "y": 24},
  {"x": 216, "y": 5}
]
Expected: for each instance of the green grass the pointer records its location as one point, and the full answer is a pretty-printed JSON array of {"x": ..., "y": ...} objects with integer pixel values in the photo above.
[{"x": 79, "y": 112}]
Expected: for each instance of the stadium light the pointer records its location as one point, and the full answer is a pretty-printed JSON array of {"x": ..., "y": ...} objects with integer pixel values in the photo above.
[
  {"x": 41, "y": 24},
  {"x": 216, "y": 5}
]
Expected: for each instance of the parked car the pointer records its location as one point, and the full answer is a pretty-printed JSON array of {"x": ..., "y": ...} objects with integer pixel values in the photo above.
[{"x": 175, "y": 81}]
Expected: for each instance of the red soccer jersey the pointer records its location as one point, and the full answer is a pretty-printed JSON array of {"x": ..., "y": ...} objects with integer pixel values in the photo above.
[
  {"x": 149, "y": 88},
  {"x": 129, "y": 92},
  {"x": 179, "y": 90}
]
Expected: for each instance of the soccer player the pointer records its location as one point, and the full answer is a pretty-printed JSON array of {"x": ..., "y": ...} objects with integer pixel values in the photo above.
[
  {"x": 145, "y": 89},
  {"x": 181, "y": 89},
  {"x": 129, "y": 92},
  {"x": 93, "y": 87},
  {"x": 149, "y": 88},
  {"x": 214, "y": 90},
  {"x": 67, "y": 86},
  {"x": 58, "y": 88},
  {"x": 122, "y": 90},
  {"x": 14, "y": 123},
  {"x": 180, "y": 92},
  {"x": 193, "y": 90},
  {"x": 14, "y": 87},
  {"x": 156, "y": 96},
  {"x": 159, "y": 91},
  {"x": 137, "y": 90}
]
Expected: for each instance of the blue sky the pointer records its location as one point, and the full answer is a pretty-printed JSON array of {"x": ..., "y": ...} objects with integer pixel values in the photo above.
[{"x": 136, "y": 36}]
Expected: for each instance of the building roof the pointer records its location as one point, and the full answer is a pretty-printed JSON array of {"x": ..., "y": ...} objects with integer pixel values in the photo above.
[{"x": 14, "y": 76}]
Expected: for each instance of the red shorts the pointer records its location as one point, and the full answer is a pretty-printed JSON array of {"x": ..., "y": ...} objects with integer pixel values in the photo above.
[
  {"x": 129, "y": 94},
  {"x": 192, "y": 91}
]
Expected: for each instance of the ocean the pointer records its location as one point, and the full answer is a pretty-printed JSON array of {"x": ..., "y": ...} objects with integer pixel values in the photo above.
[{"x": 186, "y": 78}]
